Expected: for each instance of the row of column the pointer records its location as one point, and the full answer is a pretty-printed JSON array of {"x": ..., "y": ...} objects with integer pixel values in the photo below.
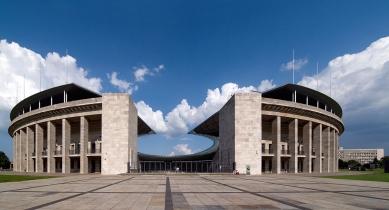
[
  {"x": 322, "y": 139},
  {"x": 29, "y": 140}
]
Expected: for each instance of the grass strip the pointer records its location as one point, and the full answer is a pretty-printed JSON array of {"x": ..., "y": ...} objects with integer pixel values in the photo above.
[
  {"x": 378, "y": 176},
  {"x": 19, "y": 178}
]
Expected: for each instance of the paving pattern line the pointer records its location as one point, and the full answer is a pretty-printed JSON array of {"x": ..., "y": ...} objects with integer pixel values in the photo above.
[
  {"x": 168, "y": 196},
  {"x": 68, "y": 182},
  {"x": 327, "y": 191},
  {"x": 316, "y": 182},
  {"x": 260, "y": 195},
  {"x": 73, "y": 196}
]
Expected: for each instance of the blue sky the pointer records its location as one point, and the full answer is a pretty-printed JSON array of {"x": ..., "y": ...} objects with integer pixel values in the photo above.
[{"x": 191, "y": 50}]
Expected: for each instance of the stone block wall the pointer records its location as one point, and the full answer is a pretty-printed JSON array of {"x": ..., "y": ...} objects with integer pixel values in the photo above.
[{"x": 119, "y": 133}]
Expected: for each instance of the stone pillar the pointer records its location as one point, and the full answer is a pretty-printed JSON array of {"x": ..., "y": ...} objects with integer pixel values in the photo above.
[
  {"x": 307, "y": 142},
  {"x": 50, "y": 147},
  {"x": 332, "y": 150},
  {"x": 17, "y": 166},
  {"x": 23, "y": 149},
  {"x": 84, "y": 136},
  {"x": 66, "y": 131},
  {"x": 326, "y": 150},
  {"x": 30, "y": 149},
  {"x": 317, "y": 144},
  {"x": 337, "y": 151},
  {"x": 276, "y": 139},
  {"x": 38, "y": 148},
  {"x": 119, "y": 133},
  {"x": 293, "y": 138},
  {"x": 14, "y": 152}
]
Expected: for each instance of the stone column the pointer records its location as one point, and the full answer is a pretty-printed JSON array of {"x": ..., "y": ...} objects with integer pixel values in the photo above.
[
  {"x": 17, "y": 165},
  {"x": 337, "y": 151},
  {"x": 38, "y": 148},
  {"x": 50, "y": 147},
  {"x": 307, "y": 142},
  {"x": 119, "y": 131},
  {"x": 326, "y": 150},
  {"x": 14, "y": 152},
  {"x": 66, "y": 131},
  {"x": 276, "y": 138},
  {"x": 23, "y": 149},
  {"x": 332, "y": 150},
  {"x": 317, "y": 144},
  {"x": 293, "y": 138},
  {"x": 84, "y": 136},
  {"x": 30, "y": 149}
]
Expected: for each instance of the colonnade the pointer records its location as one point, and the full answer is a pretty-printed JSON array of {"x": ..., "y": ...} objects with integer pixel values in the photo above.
[
  {"x": 310, "y": 147},
  {"x": 37, "y": 150}
]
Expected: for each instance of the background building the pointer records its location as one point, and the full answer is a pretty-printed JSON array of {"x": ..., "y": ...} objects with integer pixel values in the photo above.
[
  {"x": 70, "y": 129},
  {"x": 363, "y": 156}
]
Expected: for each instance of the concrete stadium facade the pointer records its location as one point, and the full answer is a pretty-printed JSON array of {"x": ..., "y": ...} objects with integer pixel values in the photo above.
[{"x": 69, "y": 129}]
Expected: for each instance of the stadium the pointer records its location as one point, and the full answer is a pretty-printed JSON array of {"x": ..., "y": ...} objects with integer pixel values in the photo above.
[{"x": 70, "y": 129}]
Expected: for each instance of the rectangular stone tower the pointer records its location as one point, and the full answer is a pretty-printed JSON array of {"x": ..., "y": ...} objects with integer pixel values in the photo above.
[
  {"x": 119, "y": 152},
  {"x": 240, "y": 124}
]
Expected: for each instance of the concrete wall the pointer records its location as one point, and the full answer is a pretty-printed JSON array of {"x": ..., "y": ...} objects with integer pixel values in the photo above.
[
  {"x": 119, "y": 133},
  {"x": 240, "y": 122}
]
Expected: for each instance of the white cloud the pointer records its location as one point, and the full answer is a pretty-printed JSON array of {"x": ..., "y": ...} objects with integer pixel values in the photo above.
[
  {"x": 171, "y": 154},
  {"x": 17, "y": 62},
  {"x": 177, "y": 121},
  {"x": 183, "y": 149},
  {"x": 298, "y": 63},
  {"x": 266, "y": 85},
  {"x": 160, "y": 67},
  {"x": 122, "y": 85},
  {"x": 359, "y": 83},
  {"x": 141, "y": 72}
]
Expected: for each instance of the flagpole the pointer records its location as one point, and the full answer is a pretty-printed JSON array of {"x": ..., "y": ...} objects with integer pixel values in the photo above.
[
  {"x": 293, "y": 65},
  {"x": 330, "y": 85},
  {"x": 317, "y": 76},
  {"x": 66, "y": 66}
]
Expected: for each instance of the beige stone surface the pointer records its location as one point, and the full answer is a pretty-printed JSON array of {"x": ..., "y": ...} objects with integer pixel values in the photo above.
[
  {"x": 240, "y": 133},
  {"x": 119, "y": 133}
]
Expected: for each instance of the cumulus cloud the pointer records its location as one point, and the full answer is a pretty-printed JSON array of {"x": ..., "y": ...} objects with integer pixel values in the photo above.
[
  {"x": 359, "y": 81},
  {"x": 159, "y": 68},
  {"x": 17, "y": 63},
  {"x": 298, "y": 63},
  {"x": 177, "y": 121},
  {"x": 140, "y": 73},
  {"x": 122, "y": 85},
  {"x": 182, "y": 149},
  {"x": 171, "y": 154}
]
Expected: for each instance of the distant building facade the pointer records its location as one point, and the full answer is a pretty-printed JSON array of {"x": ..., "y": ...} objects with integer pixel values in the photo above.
[{"x": 363, "y": 156}]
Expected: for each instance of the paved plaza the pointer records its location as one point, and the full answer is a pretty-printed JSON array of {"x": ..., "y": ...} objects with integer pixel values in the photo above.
[{"x": 196, "y": 191}]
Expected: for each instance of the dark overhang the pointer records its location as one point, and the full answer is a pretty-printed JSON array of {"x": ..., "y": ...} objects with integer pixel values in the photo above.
[
  {"x": 286, "y": 91},
  {"x": 209, "y": 127},
  {"x": 74, "y": 92},
  {"x": 143, "y": 128}
]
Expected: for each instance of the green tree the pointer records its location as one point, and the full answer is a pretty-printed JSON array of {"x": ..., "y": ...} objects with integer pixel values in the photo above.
[
  {"x": 353, "y": 163},
  {"x": 4, "y": 161},
  {"x": 342, "y": 164}
]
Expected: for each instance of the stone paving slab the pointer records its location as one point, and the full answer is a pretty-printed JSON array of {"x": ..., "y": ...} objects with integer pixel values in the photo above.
[{"x": 193, "y": 191}]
